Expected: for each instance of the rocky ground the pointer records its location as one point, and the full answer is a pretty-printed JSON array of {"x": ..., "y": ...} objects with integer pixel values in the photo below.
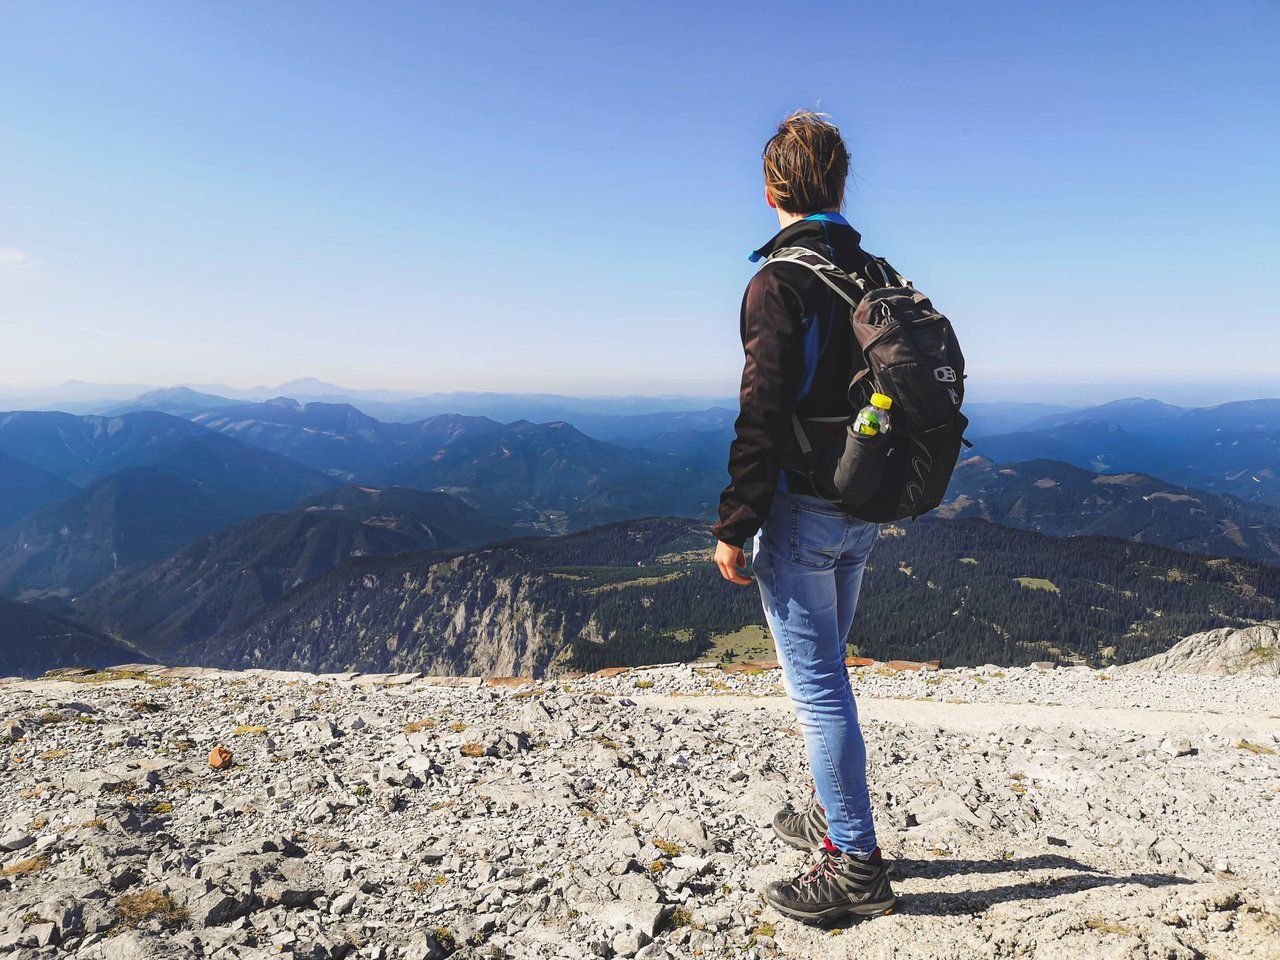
[{"x": 1036, "y": 813}]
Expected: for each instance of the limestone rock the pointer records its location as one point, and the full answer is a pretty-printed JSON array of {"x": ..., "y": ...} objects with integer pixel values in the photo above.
[
  {"x": 1253, "y": 650},
  {"x": 1029, "y": 812}
]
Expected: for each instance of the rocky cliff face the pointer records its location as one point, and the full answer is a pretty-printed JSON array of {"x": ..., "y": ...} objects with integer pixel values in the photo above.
[
  {"x": 1251, "y": 650},
  {"x": 457, "y": 616}
]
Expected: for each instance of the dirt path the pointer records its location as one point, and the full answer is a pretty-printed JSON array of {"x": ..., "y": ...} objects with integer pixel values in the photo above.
[{"x": 994, "y": 717}]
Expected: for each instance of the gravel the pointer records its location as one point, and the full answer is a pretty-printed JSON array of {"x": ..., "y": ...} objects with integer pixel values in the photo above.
[{"x": 628, "y": 815}]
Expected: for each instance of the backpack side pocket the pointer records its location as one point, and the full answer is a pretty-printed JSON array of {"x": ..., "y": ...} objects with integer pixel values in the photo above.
[{"x": 858, "y": 468}]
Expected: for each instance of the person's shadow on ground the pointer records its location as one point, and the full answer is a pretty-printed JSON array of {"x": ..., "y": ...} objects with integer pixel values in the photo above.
[{"x": 975, "y": 901}]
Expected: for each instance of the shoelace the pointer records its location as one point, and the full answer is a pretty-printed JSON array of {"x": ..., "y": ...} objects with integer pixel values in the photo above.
[{"x": 823, "y": 869}]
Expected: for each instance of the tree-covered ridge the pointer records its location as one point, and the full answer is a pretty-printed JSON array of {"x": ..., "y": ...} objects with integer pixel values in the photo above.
[
  {"x": 963, "y": 592},
  {"x": 925, "y": 598}
]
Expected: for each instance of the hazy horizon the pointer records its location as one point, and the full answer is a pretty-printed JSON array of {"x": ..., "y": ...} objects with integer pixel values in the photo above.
[{"x": 1067, "y": 395}]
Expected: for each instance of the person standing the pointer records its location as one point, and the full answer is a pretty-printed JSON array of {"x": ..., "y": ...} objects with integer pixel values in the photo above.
[{"x": 808, "y": 556}]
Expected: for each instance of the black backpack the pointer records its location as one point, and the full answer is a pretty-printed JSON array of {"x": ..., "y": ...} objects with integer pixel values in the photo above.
[{"x": 912, "y": 356}]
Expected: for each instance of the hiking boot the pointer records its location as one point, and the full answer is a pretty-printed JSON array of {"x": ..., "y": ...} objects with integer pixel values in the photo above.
[
  {"x": 807, "y": 829},
  {"x": 838, "y": 887},
  {"x": 803, "y": 829}
]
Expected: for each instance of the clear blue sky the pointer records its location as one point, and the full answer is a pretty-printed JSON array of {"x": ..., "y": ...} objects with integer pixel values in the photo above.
[{"x": 561, "y": 196}]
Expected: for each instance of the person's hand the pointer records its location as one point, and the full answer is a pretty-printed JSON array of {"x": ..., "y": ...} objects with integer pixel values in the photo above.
[{"x": 731, "y": 560}]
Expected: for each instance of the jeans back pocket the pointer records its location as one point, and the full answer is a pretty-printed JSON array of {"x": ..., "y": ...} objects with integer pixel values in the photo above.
[{"x": 817, "y": 536}]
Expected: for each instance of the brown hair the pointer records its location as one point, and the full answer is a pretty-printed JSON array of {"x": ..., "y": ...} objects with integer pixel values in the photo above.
[{"x": 806, "y": 163}]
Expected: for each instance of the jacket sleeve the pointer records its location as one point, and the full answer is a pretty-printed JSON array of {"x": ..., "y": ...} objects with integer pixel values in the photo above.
[{"x": 773, "y": 341}]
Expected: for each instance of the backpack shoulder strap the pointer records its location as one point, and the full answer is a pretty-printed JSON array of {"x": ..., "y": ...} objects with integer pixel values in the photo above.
[
  {"x": 848, "y": 288},
  {"x": 835, "y": 278},
  {"x": 892, "y": 278},
  {"x": 878, "y": 270}
]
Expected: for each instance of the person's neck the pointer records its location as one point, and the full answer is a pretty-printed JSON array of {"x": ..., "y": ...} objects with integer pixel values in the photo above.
[{"x": 786, "y": 219}]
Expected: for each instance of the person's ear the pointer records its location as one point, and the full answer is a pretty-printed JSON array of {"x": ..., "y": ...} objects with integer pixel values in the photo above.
[{"x": 768, "y": 198}]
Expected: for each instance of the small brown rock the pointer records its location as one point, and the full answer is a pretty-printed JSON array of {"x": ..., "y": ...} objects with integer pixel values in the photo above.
[{"x": 220, "y": 758}]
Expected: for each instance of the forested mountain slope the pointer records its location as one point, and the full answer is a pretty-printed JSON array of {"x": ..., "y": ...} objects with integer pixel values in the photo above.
[
  {"x": 960, "y": 591},
  {"x": 24, "y": 489},
  {"x": 131, "y": 517},
  {"x": 229, "y": 575},
  {"x": 33, "y": 641}
]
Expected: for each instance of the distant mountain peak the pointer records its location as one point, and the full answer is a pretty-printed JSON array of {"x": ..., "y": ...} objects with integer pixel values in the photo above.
[
  {"x": 309, "y": 382},
  {"x": 178, "y": 391}
]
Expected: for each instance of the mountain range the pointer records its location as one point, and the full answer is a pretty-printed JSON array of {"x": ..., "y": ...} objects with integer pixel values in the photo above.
[
  {"x": 336, "y": 437},
  {"x": 216, "y": 525},
  {"x": 84, "y": 449},
  {"x": 79, "y": 397},
  {"x": 545, "y": 477},
  {"x": 152, "y": 483},
  {"x": 91, "y": 496},
  {"x": 218, "y": 588},
  {"x": 1232, "y": 448},
  {"x": 1063, "y": 500}
]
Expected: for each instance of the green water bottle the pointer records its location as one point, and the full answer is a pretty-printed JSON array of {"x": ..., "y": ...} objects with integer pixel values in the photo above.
[{"x": 873, "y": 419}]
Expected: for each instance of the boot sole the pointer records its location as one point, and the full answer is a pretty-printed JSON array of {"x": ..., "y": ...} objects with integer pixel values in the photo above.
[{"x": 833, "y": 915}]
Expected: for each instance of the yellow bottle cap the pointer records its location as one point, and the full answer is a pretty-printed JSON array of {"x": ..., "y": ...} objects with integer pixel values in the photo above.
[{"x": 881, "y": 401}]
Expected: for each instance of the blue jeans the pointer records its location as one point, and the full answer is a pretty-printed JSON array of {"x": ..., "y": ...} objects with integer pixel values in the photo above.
[{"x": 808, "y": 559}]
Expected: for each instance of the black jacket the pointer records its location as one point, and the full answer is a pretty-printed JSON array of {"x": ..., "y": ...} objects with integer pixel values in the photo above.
[{"x": 800, "y": 356}]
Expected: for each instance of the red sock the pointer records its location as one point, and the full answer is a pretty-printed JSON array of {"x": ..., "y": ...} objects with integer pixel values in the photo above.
[{"x": 871, "y": 857}]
